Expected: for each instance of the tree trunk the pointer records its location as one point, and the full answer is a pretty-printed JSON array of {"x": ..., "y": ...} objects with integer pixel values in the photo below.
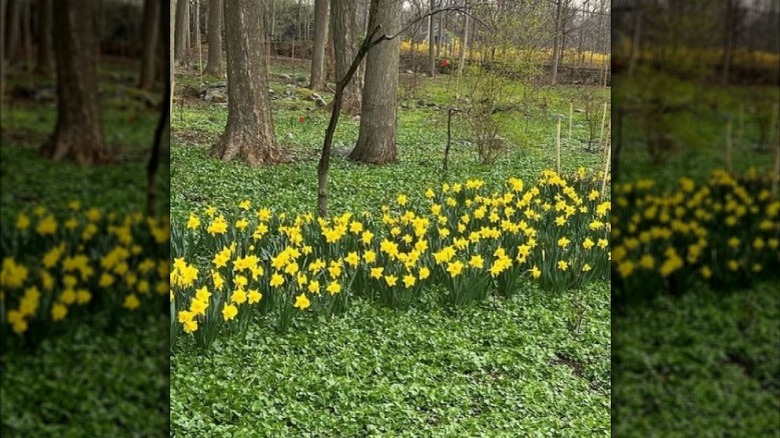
[
  {"x": 376, "y": 140},
  {"x": 151, "y": 32},
  {"x": 12, "y": 18},
  {"x": 78, "y": 134},
  {"x": 321, "y": 18},
  {"x": 180, "y": 33},
  {"x": 45, "y": 64},
  {"x": 216, "y": 10},
  {"x": 636, "y": 40},
  {"x": 431, "y": 42},
  {"x": 249, "y": 133},
  {"x": 464, "y": 43},
  {"x": 728, "y": 40},
  {"x": 557, "y": 41},
  {"x": 343, "y": 21}
]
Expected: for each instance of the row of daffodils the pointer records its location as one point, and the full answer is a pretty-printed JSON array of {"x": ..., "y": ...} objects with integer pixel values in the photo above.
[
  {"x": 724, "y": 232},
  {"x": 457, "y": 243},
  {"x": 56, "y": 269}
]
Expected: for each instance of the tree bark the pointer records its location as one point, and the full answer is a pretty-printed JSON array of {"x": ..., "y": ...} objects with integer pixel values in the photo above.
[
  {"x": 45, "y": 64},
  {"x": 151, "y": 35},
  {"x": 12, "y": 32},
  {"x": 321, "y": 8},
  {"x": 464, "y": 43},
  {"x": 180, "y": 33},
  {"x": 215, "y": 25},
  {"x": 557, "y": 41},
  {"x": 343, "y": 20},
  {"x": 249, "y": 133},
  {"x": 376, "y": 140},
  {"x": 431, "y": 42},
  {"x": 79, "y": 134}
]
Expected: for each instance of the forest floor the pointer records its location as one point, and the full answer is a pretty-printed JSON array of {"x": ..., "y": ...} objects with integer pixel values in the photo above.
[
  {"x": 707, "y": 362},
  {"x": 499, "y": 368},
  {"x": 79, "y": 380}
]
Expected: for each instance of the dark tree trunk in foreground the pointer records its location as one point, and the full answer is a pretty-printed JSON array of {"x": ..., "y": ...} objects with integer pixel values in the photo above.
[
  {"x": 45, "y": 64},
  {"x": 376, "y": 141},
  {"x": 431, "y": 44},
  {"x": 214, "y": 21},
  {"x": 78, "y": 134},
  {"x": 249, "y": 133},
  {"x": 151, "y": 35},
  {"x": 345, "y": 44},
  {"x": 321, "y": 8}
]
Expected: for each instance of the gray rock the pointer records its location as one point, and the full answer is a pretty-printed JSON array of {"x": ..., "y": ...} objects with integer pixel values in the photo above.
[{"x": 286, "y": 77}]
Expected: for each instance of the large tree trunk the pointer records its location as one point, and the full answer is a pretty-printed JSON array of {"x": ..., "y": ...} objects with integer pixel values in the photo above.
[
  {"x": 214, "y": 22},
  {"x": 45, "y": 64},
  {"x": 343, "y": 20},
  {"x": 151, "y": 32},
  {"x": 181, "y": 28},
  {"x": 376, "y": 141},
  {"x": 249, "y": 133},
  {"x": 321, "y": 18},
  {"x": 78, "y": 134}
]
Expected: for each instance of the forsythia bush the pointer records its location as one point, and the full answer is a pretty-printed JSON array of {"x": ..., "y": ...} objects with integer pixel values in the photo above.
[
  {"x": 55, "y": 269},
  {"x": 725, "y": 232},
  {"x": 461, "y": 242}
]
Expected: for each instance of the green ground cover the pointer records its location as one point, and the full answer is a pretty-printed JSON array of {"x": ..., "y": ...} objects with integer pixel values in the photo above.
[
  {"x": 499, "y": 367},
  {"x": 79, "y": 370}
]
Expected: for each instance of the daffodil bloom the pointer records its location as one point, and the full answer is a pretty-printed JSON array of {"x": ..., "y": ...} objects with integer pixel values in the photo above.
[
  {"x": 229, "y": 312},
  {"x": 276, "y": 280},
  {"x": 563, "y": 265},
  {"x": 333, "y": 288},
  {"x": 254, "y": 296},
  {"x": 131, "y": 302},
  {"x": 391, "y": 280}
]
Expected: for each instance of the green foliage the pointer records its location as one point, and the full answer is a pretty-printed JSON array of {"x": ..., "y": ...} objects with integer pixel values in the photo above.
[
  {"x": 498, "y": 370},
  {"x": 84, "y": 383},
  {"x": 699, "y": 365}
]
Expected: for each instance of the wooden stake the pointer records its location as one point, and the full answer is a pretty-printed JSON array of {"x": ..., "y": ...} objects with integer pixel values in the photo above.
[
  {"x": 558, "y": 146},
  {"x": 571, "y": 117},
  {"x": 741, "y": 126},
  {"x": 607, "y": 163},
  {"x": 603, "y": 120},
  {"x": 728, "y": 146}
]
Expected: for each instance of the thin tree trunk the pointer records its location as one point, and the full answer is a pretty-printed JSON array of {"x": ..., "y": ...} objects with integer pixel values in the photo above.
[
  {"x": 465, "y": 41},
  {"x": 78, "y": 134},
  {"x": 45, "y": 63},
  {"x": 249, "y": 133},
  {"x": 151, "y": 35},
  {"x": 636, "y": 41},
  {"x": 215, "y": 25},
  {"x": 376, "y": 140},
  {"x": 321, "y": 19},
  {"x": 431, "y": 42},
  {"x": 557, "y": 41}
]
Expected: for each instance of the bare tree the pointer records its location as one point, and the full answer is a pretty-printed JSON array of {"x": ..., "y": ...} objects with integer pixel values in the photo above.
[
  {"x": 12, "y": 32},
  {"x": 321, "y": 12},
  {"x": 431, "y": 43},
  {"x": 343, "y": 27},
  {"x": 215, "y": 26},
  {"x": 79, "y": 133},
  {"x": 376, "y": 140},
  {"x": 249, "y": 133}
]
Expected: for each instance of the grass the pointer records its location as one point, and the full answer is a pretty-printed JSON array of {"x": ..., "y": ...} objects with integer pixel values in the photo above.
[
  {"x": 83, "y": 382},
  {"x": 502, "y": 368},
  {"x": 706, "y": 363}
]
